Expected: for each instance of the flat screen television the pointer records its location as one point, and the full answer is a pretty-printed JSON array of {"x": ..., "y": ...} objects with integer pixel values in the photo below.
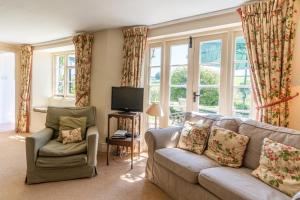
[{"x": 127, "y": 99}]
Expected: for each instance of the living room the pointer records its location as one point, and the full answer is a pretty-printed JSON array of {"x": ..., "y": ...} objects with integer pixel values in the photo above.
[{"x": 141, "y": 100}]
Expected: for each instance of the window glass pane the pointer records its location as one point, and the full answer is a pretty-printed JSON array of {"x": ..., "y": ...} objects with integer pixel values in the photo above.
[
  {"x": 241, "y": 50},
  {"x": 154, "y": 92},
  {"x": 71, "y": 74},
  {"x": 178, "y": 76},
  {"x": 209, "y": 100},
  {"x": 60, "y": 88},
  {"x": 242, "y": 101},
  {"x": 241, "y": 80},
  {"x": 71, "y": 88},
  {"x": 154, "y": 76},
  {"x": 179, "y": 54},
  {"x": 210, "y": 63},
  {"x": 155, "y": 56},
  {"x": 178, "y": 82},
  {"x": 210, "y": 53},
  {"x": 209, "y": 75},
  {"x": 71, "y": 60},
  {"x": 59, "y": 75}
]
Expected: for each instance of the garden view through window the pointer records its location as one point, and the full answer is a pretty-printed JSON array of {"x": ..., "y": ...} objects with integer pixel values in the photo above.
[
  {"x": 64, "y": 81},
  {"x": 210, "y": 84}
]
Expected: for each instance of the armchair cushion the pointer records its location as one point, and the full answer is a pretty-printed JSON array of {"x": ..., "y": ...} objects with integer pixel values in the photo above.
[
  {"x": 61, "y": 162},
  {"x": 56, "y": 149},
  {"x": 54, "y": 114}
]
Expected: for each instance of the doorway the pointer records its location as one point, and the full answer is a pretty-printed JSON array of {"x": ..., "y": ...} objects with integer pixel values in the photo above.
[{"x": 7, "y": 91}]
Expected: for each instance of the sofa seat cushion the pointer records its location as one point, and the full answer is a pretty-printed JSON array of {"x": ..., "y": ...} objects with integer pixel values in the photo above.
[
  {"x": 184, "y": 163},
  {"x": 57, "y": 149},
  {"x": 61, "y": 162},
  {"x": 238, "y": 184}
]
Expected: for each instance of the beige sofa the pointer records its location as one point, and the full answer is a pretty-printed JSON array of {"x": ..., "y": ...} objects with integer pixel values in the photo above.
[{"x": 185, "y": 175}]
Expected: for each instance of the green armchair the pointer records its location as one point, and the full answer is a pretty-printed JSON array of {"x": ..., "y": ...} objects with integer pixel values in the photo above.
[{"x": 49, "y": 160}]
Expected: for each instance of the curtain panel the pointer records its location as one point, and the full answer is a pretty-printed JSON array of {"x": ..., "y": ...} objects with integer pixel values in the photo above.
[
  {"x": 269, "y": 30},
  {"x": 23, "y": 119},
  {"x": 83, "y": 54},
  {"x": 135, "y": 39}
]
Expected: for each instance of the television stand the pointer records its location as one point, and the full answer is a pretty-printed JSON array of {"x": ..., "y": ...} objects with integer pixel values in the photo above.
[
  {"x": 128, "y": 141},
  {"x": 127, "y": 113}
]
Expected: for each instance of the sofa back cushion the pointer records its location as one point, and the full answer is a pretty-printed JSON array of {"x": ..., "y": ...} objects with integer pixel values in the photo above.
[
  {"x": 54, "y": 114},
  {"x": 257, "y": 131},
  {"x": 207, "y": 119},
  {"x": 229, "y": 123}
]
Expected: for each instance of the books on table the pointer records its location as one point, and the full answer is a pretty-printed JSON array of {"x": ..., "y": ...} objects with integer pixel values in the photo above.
[{"x": 119, "y": 134}]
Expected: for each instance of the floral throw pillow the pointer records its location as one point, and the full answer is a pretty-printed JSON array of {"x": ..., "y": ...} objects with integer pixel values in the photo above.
[
  {"x": 279, "y": 167},
  {"x": 71, "y": 136},
  {"x": 194, "y": 137},
  {"x": 226, "y": 147}
]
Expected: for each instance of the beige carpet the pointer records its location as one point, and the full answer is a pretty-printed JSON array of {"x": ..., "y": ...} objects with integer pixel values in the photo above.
[{"x": 114, "y": 182}]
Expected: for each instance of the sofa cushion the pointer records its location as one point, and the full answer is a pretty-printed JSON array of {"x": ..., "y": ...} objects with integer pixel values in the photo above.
[
  {"x": 54, "y": 114},
  {"x": 226, "y": 147},
  {"x": 279, "y": 167},
  {"x": 257, "y": 131},
  {"x": 71, "y": 123},
  {"x": 207, "y": 119},
  {"x": 194, "y": 137},
  {"x": 57, "y": 149},
  {"x": 61, "y": 162},
  {"x": 185, "y": 164},
  {"x": 238, "y": 184},
  {"x": 229, "y": 123}
]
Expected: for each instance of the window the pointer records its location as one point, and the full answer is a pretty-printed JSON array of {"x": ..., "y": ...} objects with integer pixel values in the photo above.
[
  {"x": 64, "y": 75},
  {"x": 208, "y": 74}
]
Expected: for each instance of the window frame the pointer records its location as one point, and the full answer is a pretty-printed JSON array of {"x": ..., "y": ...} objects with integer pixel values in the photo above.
[
  {"x": 65, "y": 94},
  {"x": 228, "y": 36}
]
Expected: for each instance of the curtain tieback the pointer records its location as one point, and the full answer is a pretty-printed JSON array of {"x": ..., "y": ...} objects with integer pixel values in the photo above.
[
  {"x": 285, "y": 99},
  {"x": 81, "y": 96}
]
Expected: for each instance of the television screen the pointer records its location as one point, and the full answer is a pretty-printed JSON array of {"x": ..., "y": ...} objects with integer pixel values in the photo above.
[{"x": 127, "y": 99}]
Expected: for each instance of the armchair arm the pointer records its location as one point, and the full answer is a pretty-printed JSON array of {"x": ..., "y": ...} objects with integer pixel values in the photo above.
[
  {"x": 92, "y": 136},
  {"x": 34, "y": 143},
  {"x": 162, "y": 138}
]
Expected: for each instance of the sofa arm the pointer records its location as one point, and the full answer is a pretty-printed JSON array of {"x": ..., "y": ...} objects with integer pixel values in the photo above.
[
  {"x": 34, "y": 143},
  {"x": 162, "y": 138},
  {"x": 92, "y": 136}
]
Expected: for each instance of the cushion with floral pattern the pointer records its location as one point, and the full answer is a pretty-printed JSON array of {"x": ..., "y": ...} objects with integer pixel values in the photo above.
[
  {"x": 279, "y": 167},
  {"x": 71, "y": 136},
  {"x": 226, "y": 147},
  {"x": 194, "y": 137}
]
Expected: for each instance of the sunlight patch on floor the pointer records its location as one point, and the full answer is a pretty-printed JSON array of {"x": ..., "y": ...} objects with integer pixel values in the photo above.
[
  {"x": 131, "y": 178},
  {"x": 17, "y": 137}
]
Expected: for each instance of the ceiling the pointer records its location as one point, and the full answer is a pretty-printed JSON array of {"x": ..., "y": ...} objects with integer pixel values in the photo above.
[{"x": 34, "y": 21}]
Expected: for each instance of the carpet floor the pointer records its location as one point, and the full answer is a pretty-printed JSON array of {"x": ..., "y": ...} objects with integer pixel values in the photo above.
[{"x": 114, "y": 182}]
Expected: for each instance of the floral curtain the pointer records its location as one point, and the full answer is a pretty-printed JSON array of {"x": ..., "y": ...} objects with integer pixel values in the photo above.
[
  {"x": 135, "y": 39},
  {"x": 269, "y": 30},
  {"x": 23, "y": 119},
  {"x": 83, "y": 54}
]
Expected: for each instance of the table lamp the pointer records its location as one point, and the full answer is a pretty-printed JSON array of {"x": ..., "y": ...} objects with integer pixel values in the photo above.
[{"x": 156, "y": 111}]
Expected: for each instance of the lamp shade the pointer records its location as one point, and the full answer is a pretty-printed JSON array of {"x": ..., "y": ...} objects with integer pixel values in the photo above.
[{"x": 155, "y": 110}]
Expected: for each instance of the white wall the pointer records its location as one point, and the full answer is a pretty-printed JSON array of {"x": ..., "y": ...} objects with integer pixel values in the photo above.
[
  {"x": 41, "y": 87},
  {"x": 106, "y": 72},
  {"x": 7, "y": 88}
]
